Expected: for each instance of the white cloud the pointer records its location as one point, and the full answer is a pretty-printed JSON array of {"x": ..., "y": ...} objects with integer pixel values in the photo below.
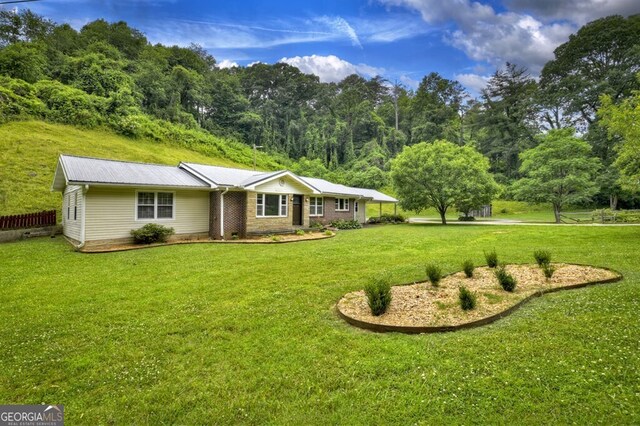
[
  {"x": 486, "y": 35},
  {"x": 473, "y": 82},
  {"x": 409, "y": 82},
  {"x": 340, "y": 26},
  {"x": 579, "y": 12},
  {"x": 330, "y": 68},
  {"x": 226, "y": 63}
]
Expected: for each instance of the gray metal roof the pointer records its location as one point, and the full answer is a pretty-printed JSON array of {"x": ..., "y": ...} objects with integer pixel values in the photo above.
[
  {"x": 327, "y": 187},
  {"x": 86, "y": 170},
  {"x": 226, "y": 176}
]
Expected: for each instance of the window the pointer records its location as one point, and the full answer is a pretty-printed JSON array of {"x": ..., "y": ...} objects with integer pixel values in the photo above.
[
  {"x": 342, "y": 204},
  {"x": 154, "y": 205},
  {"x": 75, "y": 207},
  {"x": 316, "y": 206},
  {"x": 68, "y": 206},
  {"x": 271, "y": 205}
]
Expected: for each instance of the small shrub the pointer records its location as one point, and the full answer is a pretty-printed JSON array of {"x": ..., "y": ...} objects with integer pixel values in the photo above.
[
  {"x": 466, "y": 218},
  {"x": 316, "y": 225},
  {"x": 467, "y": 299},
  {"x": 491, "y": 258},
  {"x": 151, "y": 233},
  {"x": 300, "y": 232},
  {"x": 505, "y": 279},
  {"x": 434, "y": 274},
  {"x": 379, "y": 295},
  {"x": 276, "y": 238},
  {"x": 467, "y": 267},
  {"x": 548, "y": 270},
  {"x": 543, "y": 257},
  {"x": 328, "y": 233},
  {"x": 346, "y": 224}
]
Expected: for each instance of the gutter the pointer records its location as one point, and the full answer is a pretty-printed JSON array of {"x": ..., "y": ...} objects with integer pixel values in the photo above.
[{"x": 222, "y": 213}]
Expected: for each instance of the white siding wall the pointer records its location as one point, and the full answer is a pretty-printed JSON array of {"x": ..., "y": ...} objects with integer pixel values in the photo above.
[
  {"x": 111, "y": 212},
  {"x": 72, "y": 205},
  {"x": 361, "y": 216},
  {"x": 290, "y": 187}
]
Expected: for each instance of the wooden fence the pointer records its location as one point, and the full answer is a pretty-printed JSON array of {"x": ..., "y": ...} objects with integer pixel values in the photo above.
[{"x": 28, "y": 220}]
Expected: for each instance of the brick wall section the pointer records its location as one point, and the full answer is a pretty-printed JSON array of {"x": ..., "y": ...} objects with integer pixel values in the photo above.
[
  {"x": 266, "y": 225},
  {"x": 234, "y": 215},
  {"x": 330, "y": 213}
]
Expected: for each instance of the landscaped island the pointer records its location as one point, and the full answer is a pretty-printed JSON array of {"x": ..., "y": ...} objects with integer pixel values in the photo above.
[{"x": 423, "y": 308}]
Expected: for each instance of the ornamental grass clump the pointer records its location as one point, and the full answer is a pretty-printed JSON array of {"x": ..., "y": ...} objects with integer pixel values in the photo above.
[
  {"x": 505, "y": 279},
  {"x": 548, "y": 270},
  {"x": 467, "y": 267},
  {"x": 543, "y": 257},
  {"x": 491, "y": 258},
  {"x": 434, "y": 274},
  {"x": 467, "y": 299},
  {"x": 378, "y": 295}
]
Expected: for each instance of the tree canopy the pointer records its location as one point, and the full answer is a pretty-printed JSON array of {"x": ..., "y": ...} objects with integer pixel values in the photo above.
[
  {"x": 560, "y": 170},
  {"x": 441, "y": 175}
]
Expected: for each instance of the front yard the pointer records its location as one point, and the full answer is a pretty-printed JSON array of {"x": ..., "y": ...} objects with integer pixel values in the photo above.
[{"x": 215, "y": 333}]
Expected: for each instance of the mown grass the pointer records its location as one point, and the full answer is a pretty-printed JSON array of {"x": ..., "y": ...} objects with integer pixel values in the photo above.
[
  {"x": 29, "y": 153},
  {"x": 228, "y": 334}
]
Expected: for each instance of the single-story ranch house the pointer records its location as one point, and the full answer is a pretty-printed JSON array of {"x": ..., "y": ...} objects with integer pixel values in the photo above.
[{"x": 103, "y": 200}]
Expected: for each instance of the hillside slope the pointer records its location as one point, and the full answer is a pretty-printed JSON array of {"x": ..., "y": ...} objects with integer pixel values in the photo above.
[{"x": 29, "y": 152}]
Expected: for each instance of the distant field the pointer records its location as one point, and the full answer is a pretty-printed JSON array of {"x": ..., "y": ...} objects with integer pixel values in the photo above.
[
  {"x": 29, "y": 152},
  {"x": 247, "y": 334}
]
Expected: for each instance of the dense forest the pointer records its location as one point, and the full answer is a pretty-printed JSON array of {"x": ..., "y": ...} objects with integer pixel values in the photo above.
[{"x": 109, "y": 74}]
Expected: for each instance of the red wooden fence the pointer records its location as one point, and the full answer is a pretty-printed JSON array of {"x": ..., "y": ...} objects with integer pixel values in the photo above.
[{"x": 28, "y": 220}]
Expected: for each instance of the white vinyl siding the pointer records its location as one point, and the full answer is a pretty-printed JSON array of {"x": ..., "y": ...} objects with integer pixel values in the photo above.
[
  {"x": 272, "y": 205},
  {"x": 342, "y": 204},
  {"x": 316, "y": 206},
  {"x": 72, "y": 205},
  {"x": 111, "y": 212}
]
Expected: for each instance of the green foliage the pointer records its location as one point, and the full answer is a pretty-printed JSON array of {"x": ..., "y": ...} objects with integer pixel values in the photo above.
[
  {"x": 617, "y": 216},
  {"x": 387, "y": 218},
  {"x": 300, "y": 232},
  {"x": 378, "y": 293},
  {"x": 68, "y": 105},
  {"x": 434, "y": 274},
  {"x": 492, "y": 258},
  {"x": 622, "y": 120},
  {"x": 328, "y": 233},
  {"x": 25, "y": 61},
  {"x": 467, "y": 299},
  {"x": 151, "y": 233},
  {"x": 345, "y": 224},
  {"x": 542, "y": 257},
  {"x": 561, "y": 170},
  {"x": 548, "y": 269},
  {"x": 441, "y": 175},
  {"x": 276, "y": 238},
  {"x": 468, "y": 267},
  {"x": 506, "y": 280}
]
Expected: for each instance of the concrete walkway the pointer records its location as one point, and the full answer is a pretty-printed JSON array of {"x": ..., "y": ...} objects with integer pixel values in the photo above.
[{"x": 510, "y": 222}]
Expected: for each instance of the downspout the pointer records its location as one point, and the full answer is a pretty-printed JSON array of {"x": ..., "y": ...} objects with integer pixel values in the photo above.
[
  {"x": 83, "y": 216},
  {"x": 222, "y": 213}
]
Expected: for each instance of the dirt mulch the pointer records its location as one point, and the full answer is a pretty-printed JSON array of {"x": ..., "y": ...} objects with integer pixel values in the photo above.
[
  {"x": 422, "y": 305},
  {"x": 258, "y": 239}
]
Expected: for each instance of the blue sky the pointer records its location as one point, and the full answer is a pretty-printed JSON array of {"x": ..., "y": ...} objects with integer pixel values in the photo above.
[{"x": 401, "y": 40}]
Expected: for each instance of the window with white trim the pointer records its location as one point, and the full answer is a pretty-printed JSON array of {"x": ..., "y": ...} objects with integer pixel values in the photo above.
[
  {"x": 342, "y": 204},
  {"x": 75, "y": 207},
  {"x": 272, "y": 205},
  {"x": 154, "y": 205},
  {"x": 316, "y": 206}
]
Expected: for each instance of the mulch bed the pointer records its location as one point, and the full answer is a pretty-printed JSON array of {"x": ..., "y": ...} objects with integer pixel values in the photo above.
[{"x": 420, "y": 306}]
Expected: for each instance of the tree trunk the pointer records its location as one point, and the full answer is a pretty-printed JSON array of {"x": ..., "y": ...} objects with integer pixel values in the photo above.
[
  {"x": 613, "y": 201},
  {"x": 442, "y": 216},
  {"x": 556, "y": 212}
]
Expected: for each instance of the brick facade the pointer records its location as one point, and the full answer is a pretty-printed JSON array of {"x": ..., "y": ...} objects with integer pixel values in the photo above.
[
  {"x": 266, "y": 225},
  {"x": 234, "y": 215},
  {"x": 330, "y": 213}
]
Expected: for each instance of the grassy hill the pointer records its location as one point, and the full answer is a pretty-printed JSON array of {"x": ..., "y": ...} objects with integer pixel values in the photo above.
[{"x": 29, "y": 153}]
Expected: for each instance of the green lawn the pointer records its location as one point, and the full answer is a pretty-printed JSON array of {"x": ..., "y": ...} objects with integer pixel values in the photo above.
[{"x": 218, "y": 333}]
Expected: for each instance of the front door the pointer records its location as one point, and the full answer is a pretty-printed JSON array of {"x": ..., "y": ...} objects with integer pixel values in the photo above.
[{"x": 297, "y": 210}]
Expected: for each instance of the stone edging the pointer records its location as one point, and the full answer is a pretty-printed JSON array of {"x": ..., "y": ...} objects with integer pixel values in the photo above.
[
  {"x": 174, "y": 243},
  {"x": 384, "y": 328}
]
